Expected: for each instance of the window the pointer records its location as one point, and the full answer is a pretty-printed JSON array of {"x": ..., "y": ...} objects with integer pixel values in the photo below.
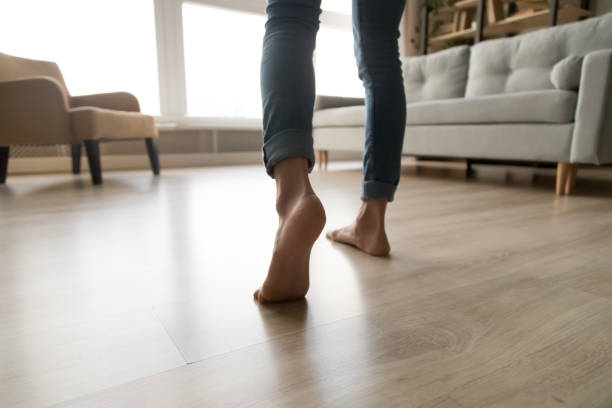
[
  {"x": 111, "y": 45},
  {"x": 100, "y": 45},
  {"x": 222, "y": 58},
  {"x": 335, "y": 66},
  {"x": 337, "y": 6}
]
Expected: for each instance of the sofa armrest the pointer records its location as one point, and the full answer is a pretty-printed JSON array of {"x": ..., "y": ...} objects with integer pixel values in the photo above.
[
  {"x": 592, "y": 139},
  {"x": 326, "y": 102},
  {"x": 34, "y": 111},
  {"x": 121, "y": 101}
]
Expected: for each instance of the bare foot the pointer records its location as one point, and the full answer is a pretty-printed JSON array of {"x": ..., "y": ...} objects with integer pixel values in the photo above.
[
  {"x": 367, "y": 232},
  {"x": 301, "y": 220}
]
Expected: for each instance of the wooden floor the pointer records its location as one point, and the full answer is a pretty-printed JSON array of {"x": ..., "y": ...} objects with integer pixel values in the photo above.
[{"x": 138, "y": 294}]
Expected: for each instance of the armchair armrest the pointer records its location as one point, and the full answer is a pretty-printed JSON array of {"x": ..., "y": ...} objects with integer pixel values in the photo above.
[
  {"x": 121, "y": 101},
  {"x": 326, "y": 102},
  {"x": 592, "y": 139},
  {"x": 33, "y": 111}
]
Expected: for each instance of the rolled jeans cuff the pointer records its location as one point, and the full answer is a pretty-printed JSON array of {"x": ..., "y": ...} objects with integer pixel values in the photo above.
[
  {"x": 285, "y": 144},
  {"x": 375, "y": 190}
]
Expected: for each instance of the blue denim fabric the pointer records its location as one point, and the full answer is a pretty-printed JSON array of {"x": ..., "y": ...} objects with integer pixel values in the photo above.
[{"x": 288, "y": 86}]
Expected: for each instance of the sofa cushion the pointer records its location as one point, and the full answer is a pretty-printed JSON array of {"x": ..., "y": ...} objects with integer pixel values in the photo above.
[
  {"x": 551, "y": 106},
  {"x": 525, "y": 62},
  {"x": 104, "y": 124},
  {"x": 566, "y": 73},
  {"x": 441, "y": 75},
  {"x": 328, "y": 101},
  {"x": 525, "y": 107},
  {"x": 347, "y": 116}
]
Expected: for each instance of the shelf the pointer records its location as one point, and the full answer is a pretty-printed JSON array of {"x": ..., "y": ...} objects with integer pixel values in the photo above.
[
  {"x": 460, "y": 5},
  {"x": 464, "y": 5},
  {"x": 457, "y": 35},
  {"x": 538, "y": 19},
  {"x": 515, "y": 24}
]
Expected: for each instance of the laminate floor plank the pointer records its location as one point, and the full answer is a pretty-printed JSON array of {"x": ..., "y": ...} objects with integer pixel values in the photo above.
[
  {"x": 403, "y": 354},
  {"x": 41, "y": 367},
  {"x": 496, "y": 293}
]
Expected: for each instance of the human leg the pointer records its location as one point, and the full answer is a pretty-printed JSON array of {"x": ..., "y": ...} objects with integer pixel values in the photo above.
[
  {"x": 375, "y": 30},
  {"x": 287, "y": 83},
  {"x": 287, "y": 80}
]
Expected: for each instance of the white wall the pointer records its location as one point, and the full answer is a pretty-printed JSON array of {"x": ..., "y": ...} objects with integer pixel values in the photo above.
[{"x": 602, "y": 7}]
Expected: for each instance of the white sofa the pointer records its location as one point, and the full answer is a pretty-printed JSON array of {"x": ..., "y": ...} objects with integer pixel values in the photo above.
[{"x": 545, "y": 96}]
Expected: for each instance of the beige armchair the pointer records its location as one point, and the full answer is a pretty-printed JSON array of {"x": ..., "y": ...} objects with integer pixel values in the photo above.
[{"x": 36, "y": 108}]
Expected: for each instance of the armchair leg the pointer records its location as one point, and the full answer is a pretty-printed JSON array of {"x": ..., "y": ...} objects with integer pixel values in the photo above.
[
  {"x": 4, "y": 158},
  {"x": 153, "y": 154},
  {"x": 75, "y": 151},
  {"x": 92, "y": 147}
]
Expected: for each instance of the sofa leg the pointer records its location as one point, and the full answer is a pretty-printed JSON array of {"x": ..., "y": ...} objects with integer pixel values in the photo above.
[
  {"x": 75, "y": 152},
  {"x": 570, "y": 183},
  {"x": 562, "y": 170},
  {"x": 92, "y": 148},
  {"x": 153, "y": 154},
  {"x": 566, "y": 178},
  {"x": 322, "y": 159},
  {"x": 4, "y": 158},
  {"x": 469, "y": 171}
]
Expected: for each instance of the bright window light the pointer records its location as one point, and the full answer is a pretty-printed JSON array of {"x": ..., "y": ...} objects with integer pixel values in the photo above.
[
  {"x": 335, "y": 66},
  {"x": 222, "y": 59},
  {"x": 100, "y": 45},
  {"x": 337, "y": 6}
]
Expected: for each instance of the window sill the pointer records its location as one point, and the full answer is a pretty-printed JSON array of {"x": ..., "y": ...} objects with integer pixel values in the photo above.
[{"x": 175, "y": 123}]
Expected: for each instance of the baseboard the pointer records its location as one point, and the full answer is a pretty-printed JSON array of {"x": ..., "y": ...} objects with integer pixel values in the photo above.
[
  {"x": 42, "y": 165},
  {"x": 37, "y": 165}
]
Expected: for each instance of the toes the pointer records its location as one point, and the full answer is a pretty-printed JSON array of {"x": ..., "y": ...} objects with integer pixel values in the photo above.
[
  {"x": 337, "y": 235},
  {"x": 258, "y": 297},
  {"x": 343, "y": 236}
]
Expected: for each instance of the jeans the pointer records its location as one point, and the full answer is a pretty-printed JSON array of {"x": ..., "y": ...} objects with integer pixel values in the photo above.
[{"x": 288, "y": 87}]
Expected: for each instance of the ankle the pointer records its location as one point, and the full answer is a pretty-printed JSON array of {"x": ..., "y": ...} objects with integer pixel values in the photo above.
[
  {"x": 291, "y": 177},
  {"x": 372, "y": 211},
  {"x": 292, "y": 182}
]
